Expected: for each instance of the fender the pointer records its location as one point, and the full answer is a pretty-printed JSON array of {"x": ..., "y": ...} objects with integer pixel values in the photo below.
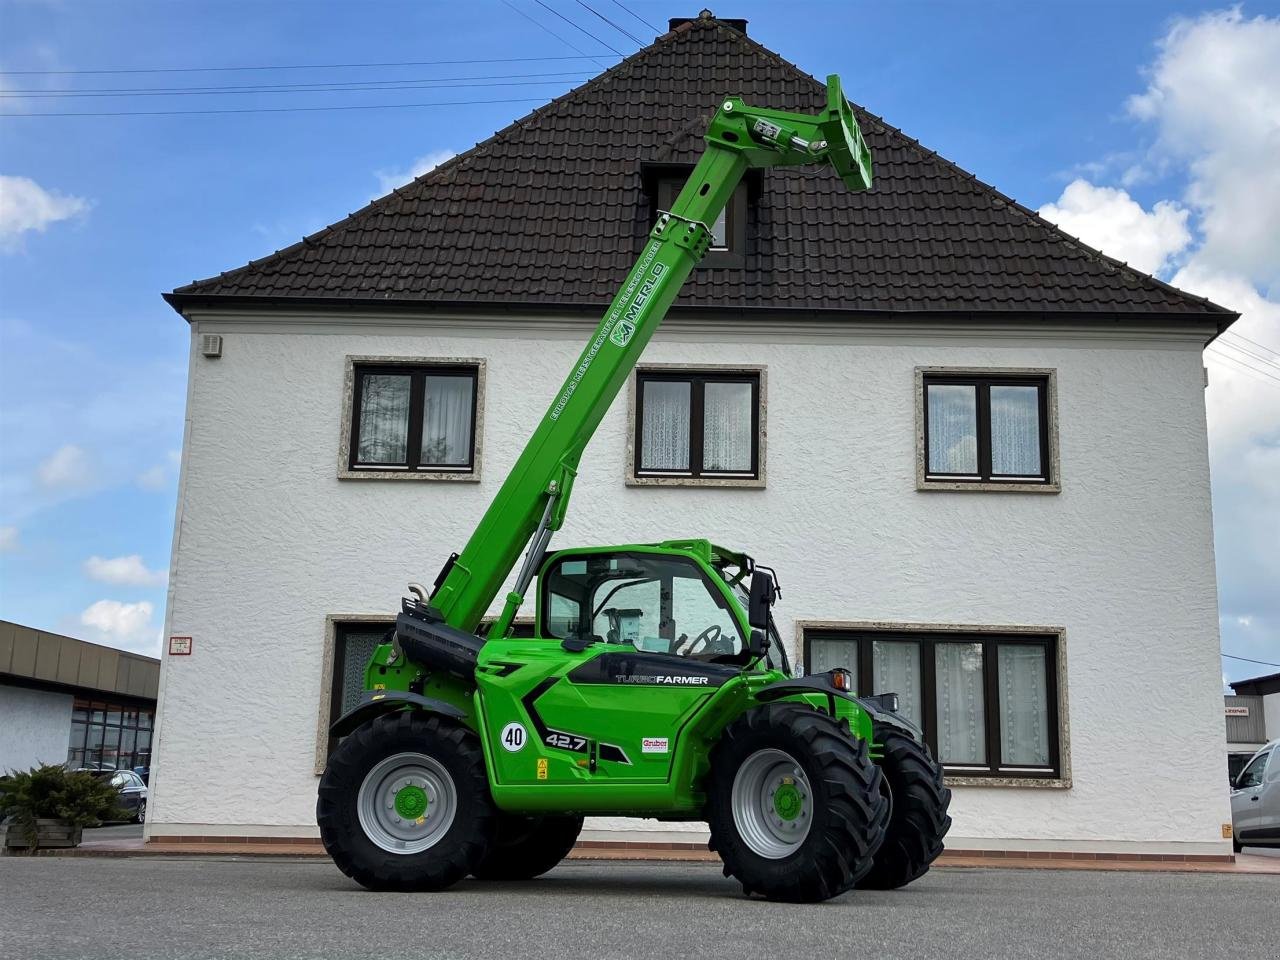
[
  {"x": 377, "y": 702},
  {"x": 881, "y": 708}
]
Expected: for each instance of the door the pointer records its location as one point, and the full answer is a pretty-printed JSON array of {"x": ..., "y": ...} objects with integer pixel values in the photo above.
[
  {"x": 1268, "y": 824},
  {"x": 1246, "y": 798},
  {"x": 663, "y": 638}
]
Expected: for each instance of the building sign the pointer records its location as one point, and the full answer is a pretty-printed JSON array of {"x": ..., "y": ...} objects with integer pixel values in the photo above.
[
  {"x": 1237, "y": 711},
  {"x": 179, "y": 646}
]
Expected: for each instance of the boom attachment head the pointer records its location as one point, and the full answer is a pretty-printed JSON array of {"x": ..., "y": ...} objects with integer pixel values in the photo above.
[{"x": 767, "y": 138}]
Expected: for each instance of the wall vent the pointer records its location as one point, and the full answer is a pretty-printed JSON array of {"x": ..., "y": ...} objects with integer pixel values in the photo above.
[{"x": 211, "y": 345}]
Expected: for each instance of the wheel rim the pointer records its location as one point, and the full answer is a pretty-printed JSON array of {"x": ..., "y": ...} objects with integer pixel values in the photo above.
[
  {"x": 406, "y": 803},
  {"x": 772, "y": 803},
  {"x": 142, "y": 812}
]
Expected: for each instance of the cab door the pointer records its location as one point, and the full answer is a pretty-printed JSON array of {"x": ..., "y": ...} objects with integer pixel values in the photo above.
[{"x": 661, "y": 638}]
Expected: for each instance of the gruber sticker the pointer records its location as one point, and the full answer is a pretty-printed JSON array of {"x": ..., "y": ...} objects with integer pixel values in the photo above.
[
  {"x": 653, "y": 745},
  {"x": 513, "y": 737}
]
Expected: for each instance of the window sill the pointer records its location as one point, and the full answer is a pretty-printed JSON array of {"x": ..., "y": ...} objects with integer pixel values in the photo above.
[
  {"x": 461, "y": 476},
  {"x": 1035, "y": 783},
  {"x": 750, "y": 483},
  {"x": 987, "y": 486}
]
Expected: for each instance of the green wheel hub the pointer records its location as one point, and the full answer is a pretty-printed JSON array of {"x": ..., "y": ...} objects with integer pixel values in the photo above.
[
  {"x": 411, "y": 802},
  {"x": 787, "y": 801}
]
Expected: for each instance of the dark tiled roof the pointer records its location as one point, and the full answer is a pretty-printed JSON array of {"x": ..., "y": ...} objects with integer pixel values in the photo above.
[{"x": 552, "y": 211}]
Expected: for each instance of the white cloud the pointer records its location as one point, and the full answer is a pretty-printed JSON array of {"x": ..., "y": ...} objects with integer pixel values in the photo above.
[
  {"x": 67, "y": 469},
  {"x": 26, "y": 207},
  {"x": 9, "y": 539},
  {"x": 1109, "y": 219},
  {"x": 388, "y": 180},
  {"x": 1214, "y": 97},
  {"x": 127, "y": 571},
  {"x": 124, "y": 625},
  {"x": 162, "y": 475}
]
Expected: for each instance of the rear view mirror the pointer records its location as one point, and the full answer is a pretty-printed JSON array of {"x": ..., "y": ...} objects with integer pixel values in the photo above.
[{"x": 763, "y": 594}]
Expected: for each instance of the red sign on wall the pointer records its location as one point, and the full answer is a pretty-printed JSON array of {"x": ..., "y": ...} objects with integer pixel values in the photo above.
[{"x": 179, "y": 646}]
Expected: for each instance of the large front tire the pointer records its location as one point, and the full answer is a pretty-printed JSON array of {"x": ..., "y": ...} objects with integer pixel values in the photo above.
[
  {"x": 404, "y": 803},
  {"x": 527, "y": 847},
  {"x": 918, "y": 821},
  {"x": 795, "y": 805}
]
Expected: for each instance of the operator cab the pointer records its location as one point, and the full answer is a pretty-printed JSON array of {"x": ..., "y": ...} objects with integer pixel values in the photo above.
[
  {"x": 654, "y": 599},
  {"x": 683, "y": 598}
]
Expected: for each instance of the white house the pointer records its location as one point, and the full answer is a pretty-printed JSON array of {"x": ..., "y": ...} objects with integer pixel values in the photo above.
[{"x": 972, "y": 447}]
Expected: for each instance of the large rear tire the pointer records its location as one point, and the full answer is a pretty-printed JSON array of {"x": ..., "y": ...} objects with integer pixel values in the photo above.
[
  {"x": 918, "y": 820},
  {"x": 795, "y": 805},
  {"x": 527, "y": 847},
  {"x": 404, "y": 803}
]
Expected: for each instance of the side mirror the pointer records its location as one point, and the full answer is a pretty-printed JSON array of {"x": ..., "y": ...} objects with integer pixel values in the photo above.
[{"x": 764, "y": 591}]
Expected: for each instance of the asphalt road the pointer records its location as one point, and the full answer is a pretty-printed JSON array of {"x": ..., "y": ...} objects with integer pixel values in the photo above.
[{"x": 182, "y": 909}]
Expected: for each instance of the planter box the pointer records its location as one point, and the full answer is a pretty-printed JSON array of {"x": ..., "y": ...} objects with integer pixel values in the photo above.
[{"x": 49, "y": 834}]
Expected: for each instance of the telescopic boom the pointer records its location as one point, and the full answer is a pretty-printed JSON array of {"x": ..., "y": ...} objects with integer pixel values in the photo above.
[{"x": 532, "y": 501}]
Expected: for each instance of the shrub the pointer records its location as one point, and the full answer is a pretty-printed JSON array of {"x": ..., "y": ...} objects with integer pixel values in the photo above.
[{"x": 55, "y": 793}]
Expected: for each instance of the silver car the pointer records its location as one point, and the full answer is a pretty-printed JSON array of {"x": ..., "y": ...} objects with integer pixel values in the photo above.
[{"x": 1255, "y": 800}]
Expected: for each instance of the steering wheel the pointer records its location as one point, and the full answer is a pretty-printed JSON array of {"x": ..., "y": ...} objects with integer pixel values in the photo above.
[{"x": 704, "y": 641}]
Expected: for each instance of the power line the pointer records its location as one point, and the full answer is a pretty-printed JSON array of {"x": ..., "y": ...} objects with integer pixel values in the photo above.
[
  {"x": 318, "y": 88},
  {"x": 291, "y": 66},
  {"x": 622, "y": 30},
  {"x": 271, "y": 87},
  {"x": 353, "y": 106},
  {"x": 1251, "y": 353},
  {"x": 1265, "y": 663},
  {"x": 578, "y": 27},
  {"x": 1243, "y": 363},
  {"x": 1241, "y": 336},
  {"x": 542, "y": 26},
  {"x": 636, "y": 15}
]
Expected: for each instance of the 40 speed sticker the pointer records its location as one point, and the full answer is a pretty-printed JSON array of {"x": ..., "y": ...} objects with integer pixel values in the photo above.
[{"x": 513, "y": 737}]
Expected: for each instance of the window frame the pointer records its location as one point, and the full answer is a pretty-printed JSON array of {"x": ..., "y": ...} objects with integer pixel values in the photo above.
[
  {"x": 349, "y": 468},
  {"x": 733, "y": 255},
  {"x": 982, "y": 379},
  {"x": 861, "y": 635},
  {"x": 698, "y": 375},
  {"x": 129, "y": 717}
]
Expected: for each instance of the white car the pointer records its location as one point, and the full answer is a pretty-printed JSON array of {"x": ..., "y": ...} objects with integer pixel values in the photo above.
[{"x": 1255, "y": 800}]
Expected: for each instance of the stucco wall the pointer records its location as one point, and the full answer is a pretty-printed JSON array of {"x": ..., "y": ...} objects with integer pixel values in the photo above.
[
  {"x": 35, "y": 727},
  {"x": 270, "y": 541}
]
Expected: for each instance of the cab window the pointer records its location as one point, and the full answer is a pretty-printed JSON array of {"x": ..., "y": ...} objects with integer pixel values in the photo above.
[
  {"x": 1251, "y": 776},
  {"x": 652, "y": 602}
]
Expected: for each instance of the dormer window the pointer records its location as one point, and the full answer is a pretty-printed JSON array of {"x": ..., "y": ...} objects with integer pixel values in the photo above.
[{"x": 728, "y": 232}]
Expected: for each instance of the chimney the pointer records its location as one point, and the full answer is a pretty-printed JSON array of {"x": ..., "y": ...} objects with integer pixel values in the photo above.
[{"x": 739, "y": 25}]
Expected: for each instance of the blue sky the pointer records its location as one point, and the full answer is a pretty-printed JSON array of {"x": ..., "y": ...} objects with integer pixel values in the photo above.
[{"x": 1149, "y": 129}]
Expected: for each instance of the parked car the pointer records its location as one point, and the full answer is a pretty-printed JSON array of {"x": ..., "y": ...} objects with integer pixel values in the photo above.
[
  {"x": 133, "y": 792},
  {"x": 1255, "y": 800}
]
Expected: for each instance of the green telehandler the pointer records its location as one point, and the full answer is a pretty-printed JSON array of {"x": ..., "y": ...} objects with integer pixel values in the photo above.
[{"x": 656, "y": 685}]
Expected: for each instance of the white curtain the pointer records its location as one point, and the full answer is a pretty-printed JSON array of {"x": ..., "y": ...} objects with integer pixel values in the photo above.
[
  {"x": 664, "y": 430},
  {"x": 384, "y": 419},
  {"x": 1024, "y": 705},
  {"x": 953, "y": 428},
  {"x": 1015, "y": 431},
  {"x": 726, "y": 427},
  {"x": 962, "y": 728},
  {"x": 446, "y": 421},
  {"x": 896, "y": 665},
  {"x": 356, "y": 649},
  {"x": 826, "y": 653}
]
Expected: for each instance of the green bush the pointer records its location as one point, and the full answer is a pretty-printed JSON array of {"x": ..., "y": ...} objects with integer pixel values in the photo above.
[{"x": 55, "y": 793}]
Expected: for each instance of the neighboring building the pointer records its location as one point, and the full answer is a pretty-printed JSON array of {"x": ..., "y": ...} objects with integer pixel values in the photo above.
[
  {"x": 1253, "y": 719},
  {"x": 67, "y": 701},
  {"x": 973, "y": 448}
]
